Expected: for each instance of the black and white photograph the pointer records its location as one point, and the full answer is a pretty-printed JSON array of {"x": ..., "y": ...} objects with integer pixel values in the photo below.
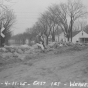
[{"x": 43, "y": 43}]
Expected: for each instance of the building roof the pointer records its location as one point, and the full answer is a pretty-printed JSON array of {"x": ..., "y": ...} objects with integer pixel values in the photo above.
[
  {"x": 86, "y": 31},
  {"x": 75, "y": 33}
]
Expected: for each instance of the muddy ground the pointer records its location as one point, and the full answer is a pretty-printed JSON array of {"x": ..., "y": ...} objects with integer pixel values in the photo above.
[{"x": 55, "y": 68}]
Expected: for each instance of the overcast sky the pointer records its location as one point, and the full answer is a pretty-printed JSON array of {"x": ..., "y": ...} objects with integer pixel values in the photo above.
[{"x": 28, "y": 11}]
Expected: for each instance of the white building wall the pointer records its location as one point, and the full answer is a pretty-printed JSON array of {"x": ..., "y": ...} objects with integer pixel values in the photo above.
[
  {"x": 79, "y": 35},
  {"x": 27, "y": 41},
  {"x": 57, "y": 38},
  {"x": 75, "y": 38},
  {"x": 62, "y": 37}
]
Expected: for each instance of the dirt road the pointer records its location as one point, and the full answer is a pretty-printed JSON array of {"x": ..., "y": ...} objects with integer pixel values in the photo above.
[{"x": 62, "y": 70}]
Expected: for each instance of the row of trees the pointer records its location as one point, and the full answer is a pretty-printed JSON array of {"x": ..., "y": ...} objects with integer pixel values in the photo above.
[
  {"x": 59, "y": 17},
  {"x": 21, "y": 38}
]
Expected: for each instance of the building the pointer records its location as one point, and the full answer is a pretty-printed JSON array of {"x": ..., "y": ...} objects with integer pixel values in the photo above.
[{"x": 77, "y": 36}]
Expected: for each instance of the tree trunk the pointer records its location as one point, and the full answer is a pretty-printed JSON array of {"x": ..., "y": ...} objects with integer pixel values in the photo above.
[
  {"x": 53, "y": 35},
  {"x": 71, "y": 28},
  {"x": 68, "y": 38},
  {"x": 71, "y": 33},
  {"x": 68, "y": 35},
  {"x": 46, "y": 40}
]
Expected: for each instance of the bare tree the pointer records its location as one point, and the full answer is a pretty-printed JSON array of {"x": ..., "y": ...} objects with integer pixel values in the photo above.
[
  {"x": 65, "y": 15},
  {"x": 76, "y": 10},
  {"x": 35, "y": 30},
  {"x": 45, "y": 25},
  {"x": 59, "y": 16},
  {"x": 62, "y": 16},
  {"x": 10, "y": 20},
  {"x": 79, "y": 25},
  {"x": 8, "y": 16}
]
